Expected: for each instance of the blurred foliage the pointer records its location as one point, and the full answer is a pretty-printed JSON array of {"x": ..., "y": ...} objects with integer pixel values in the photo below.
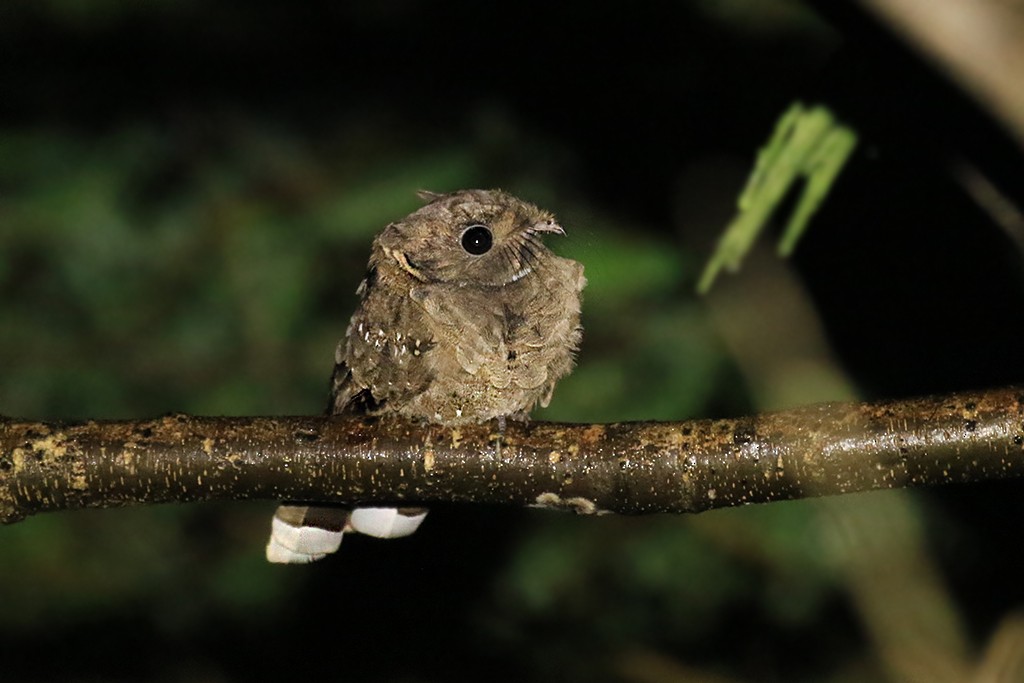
[
  {"x": 809, "y": 149},
  {"x": 144, "y": 273},
  {"x": 187, "y": 196}
]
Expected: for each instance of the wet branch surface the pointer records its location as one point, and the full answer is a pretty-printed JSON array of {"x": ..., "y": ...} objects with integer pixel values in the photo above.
[{"x": 630, "y": 468}]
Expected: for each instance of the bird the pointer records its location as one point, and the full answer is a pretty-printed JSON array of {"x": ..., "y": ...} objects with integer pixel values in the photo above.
[{"x": 465, "y": 316}]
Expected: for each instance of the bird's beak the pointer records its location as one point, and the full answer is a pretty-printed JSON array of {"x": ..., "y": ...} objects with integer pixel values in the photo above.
[{"x": 548, "y": 225}]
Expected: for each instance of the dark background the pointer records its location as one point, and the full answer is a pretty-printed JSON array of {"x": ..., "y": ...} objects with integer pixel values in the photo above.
[{"x": 187, "y": 195}]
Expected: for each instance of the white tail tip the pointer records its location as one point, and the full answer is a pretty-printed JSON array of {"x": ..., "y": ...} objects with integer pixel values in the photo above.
[
  {"x": 291, "y": 544},
  {"x": 387, "y": 522}
]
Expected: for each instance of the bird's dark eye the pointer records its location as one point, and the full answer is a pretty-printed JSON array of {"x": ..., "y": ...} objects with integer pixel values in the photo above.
[{"x": 476, "y": 239}]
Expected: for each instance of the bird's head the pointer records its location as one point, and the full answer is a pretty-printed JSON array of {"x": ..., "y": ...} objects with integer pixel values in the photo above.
[{"x": 481, "y": 237}]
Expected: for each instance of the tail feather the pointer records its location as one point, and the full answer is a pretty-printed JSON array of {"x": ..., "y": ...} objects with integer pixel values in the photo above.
[
  {"x": 387, "y": 522},
  {"x": 300, "y": 534}
]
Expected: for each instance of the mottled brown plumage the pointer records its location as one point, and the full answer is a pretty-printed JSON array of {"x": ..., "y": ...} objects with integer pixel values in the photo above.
[
  {"x": 449, "y": 336},
  {"x": 464, "y": 316}
]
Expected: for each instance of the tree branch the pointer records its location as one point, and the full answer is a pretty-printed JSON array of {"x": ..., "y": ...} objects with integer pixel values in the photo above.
[{"x": 632, "y": 468}]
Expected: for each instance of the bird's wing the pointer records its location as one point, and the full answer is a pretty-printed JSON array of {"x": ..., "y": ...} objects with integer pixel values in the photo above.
[{"x": 382, "y": 361}]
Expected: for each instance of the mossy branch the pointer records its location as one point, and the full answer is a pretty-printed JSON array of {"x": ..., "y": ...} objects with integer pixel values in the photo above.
[{"x": 632, "y": 468}]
